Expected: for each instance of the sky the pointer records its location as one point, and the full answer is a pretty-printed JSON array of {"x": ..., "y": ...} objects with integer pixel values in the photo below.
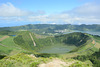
[{"x": 22, "y": 12}]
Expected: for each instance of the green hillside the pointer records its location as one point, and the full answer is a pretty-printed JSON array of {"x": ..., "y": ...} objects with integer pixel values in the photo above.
[
  {"x": 70, "y": 42},
  {"x": 25, "y": 60},
  {"x": 18, "y": 46},
  {"x": 73, "y": 40}
]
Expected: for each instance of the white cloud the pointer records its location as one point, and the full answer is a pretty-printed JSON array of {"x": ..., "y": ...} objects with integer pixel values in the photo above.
[
  {"x": 50, "y": 18},
  {"x": 87, "y": 13},
  {"x": 88, "y": 9},
  {"x": 8, "y": 10}
]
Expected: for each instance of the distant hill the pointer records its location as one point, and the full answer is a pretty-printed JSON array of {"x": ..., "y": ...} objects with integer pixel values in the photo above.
[{"x": 51, "y": 28}]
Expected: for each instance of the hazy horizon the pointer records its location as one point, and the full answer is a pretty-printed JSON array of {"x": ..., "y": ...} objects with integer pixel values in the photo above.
[{"x": 47, "y": 24}]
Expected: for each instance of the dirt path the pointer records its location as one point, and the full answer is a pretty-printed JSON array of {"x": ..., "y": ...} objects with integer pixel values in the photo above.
[
  {"x": 93, "y": 42},
  {"x": 3, "y": 38},
  {"x": 32, "y": 39},
  {"x": 56, "y": 63}
]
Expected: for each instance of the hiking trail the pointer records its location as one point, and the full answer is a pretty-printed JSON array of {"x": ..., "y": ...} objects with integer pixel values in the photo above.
[{"x": 32, "y": 39}]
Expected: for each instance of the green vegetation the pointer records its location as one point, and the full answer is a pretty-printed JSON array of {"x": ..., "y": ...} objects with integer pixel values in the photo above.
[
  {"x": 8, "y": 46},
  {"x": 76, "y": 39},
  {"x": 17, "y": 51},
  {"x": 22, "y": 60},
  {"x": 57, "y": 48},
  {"x": 94, "y": 58},
  {"x": 1, "y": 36},
  {"x": 2, "y": 56},
  {"x": 80, "y": 64},
  {"x": 5, "y": 32},
  {"x": 23, "y": 39},
  {"x": 48, "y": 29},
  {"x": 27, "y": 60},
  {"x": 62, "y": 43}
]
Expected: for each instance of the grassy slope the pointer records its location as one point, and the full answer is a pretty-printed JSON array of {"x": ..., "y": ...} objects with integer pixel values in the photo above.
[
  {"x": 23, "y": 39},
  {"x": 97, "y": 39},
  {"x": 25, "y": 60},
  {"x": 87, "y": 49},
  {"x": 21, "y": 60},
  {"x": 92, "y": 47},
  {"x": 9, "y": 47}
]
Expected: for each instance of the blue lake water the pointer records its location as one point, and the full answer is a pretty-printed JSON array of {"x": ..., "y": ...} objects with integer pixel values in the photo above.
[
  {"x": 12, "y": 35},
  {"x": 89, "y": 32}
]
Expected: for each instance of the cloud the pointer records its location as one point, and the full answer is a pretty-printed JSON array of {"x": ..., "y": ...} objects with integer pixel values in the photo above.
[
  {"x": 9, "y": 10},
  {"x": 87, "y": 13},
  {"x": 88, "y": 9}
]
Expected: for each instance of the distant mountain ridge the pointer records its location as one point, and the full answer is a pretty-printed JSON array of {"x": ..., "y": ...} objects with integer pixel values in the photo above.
[{"x": 52, "y": 27}]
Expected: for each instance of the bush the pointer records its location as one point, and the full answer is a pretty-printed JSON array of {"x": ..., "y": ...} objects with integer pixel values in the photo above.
[
  {"x": 34, "y": 64},
  {"x": 2, "y": 56}
]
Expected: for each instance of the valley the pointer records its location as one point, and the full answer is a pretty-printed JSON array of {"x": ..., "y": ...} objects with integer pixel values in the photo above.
[{"x": 24, "y": 47}]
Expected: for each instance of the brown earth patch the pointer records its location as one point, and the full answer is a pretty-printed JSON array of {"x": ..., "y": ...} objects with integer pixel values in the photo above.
[
  {"x": 56, "y": 63},
  {"x": 1, "y": 39}
]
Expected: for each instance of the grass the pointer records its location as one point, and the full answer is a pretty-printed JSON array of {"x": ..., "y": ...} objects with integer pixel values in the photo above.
[
  {"x": 9, "y": 42},
  {"x": 44, "y": 45},
  {"x": 81, "y": 64},
  {"x": 5, "y": 50},
  {"x": 84, "y": 50},
  {"x": 15, "y": 49},
  {"x": 24, "y": 40},
  {"x": 22, "y": 60},
  {"x": 10, "y": 48},
  {"x": 1, "y": 36},
  {"x": 97, "y": 39},
  {"x": 97, "y": 45},
  {"x": 10, "y": 51},
  {"x": 89, "y": 48},
  {"x": 26, "y": 60}
]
